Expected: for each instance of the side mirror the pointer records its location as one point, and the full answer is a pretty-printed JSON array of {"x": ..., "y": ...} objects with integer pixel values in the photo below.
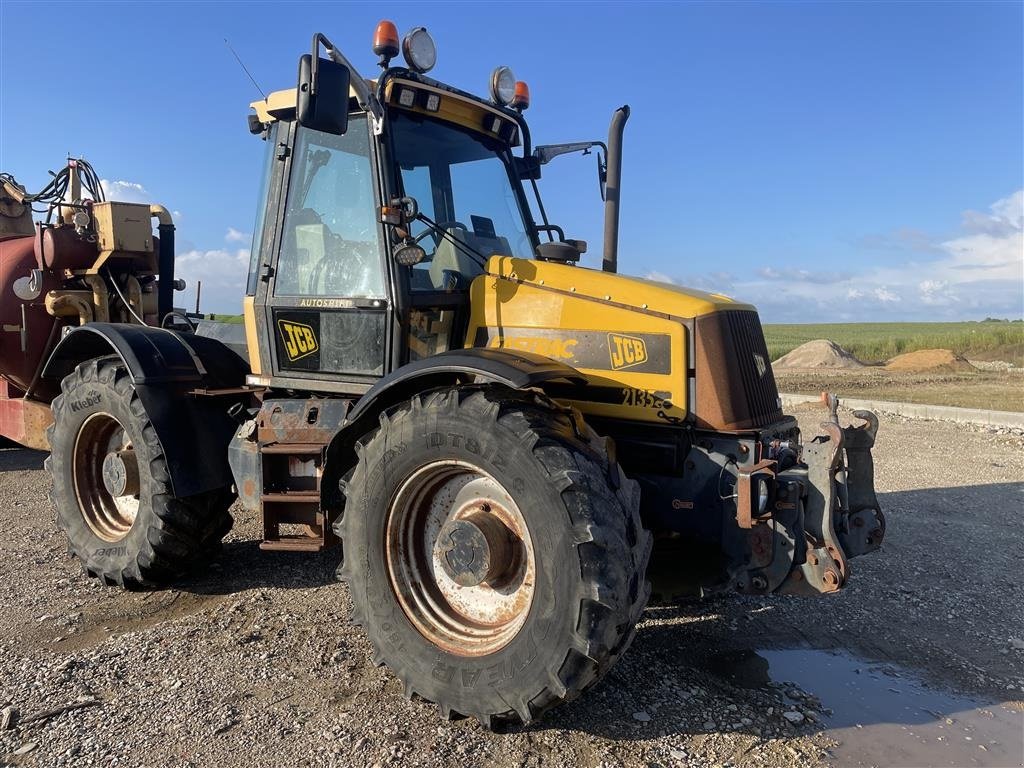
[
  {"x": 321, "y": 102},
  {"x": 565, "y": 252}
]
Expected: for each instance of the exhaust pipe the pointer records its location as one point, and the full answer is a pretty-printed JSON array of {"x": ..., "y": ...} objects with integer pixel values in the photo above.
[
  {"x": 611, "y": 189},
  {"x": 165, "y": 261}
]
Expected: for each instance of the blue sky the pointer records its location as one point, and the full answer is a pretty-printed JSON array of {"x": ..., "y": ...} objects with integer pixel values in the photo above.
[{"x": 829, "y": 161}]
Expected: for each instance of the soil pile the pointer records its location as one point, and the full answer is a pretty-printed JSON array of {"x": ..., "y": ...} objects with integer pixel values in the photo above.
[
  {"x": 926, "y": 360},
  {"x": 820, "y": 353}
]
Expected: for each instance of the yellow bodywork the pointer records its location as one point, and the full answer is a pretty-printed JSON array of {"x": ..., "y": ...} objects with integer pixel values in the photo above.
[
  {"x": 625, "y": 334},
  {"x": 281, "y": 104},
  {"x": 251, "y": 343}
]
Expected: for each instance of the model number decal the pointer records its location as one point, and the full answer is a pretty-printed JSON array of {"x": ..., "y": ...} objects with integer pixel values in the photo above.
[{"x": 645, "y": 398}]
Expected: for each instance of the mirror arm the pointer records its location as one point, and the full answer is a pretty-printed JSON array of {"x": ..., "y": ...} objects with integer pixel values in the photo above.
[
  {"x": 366, "y": 99},
  {"x": 548, "y": 152}
]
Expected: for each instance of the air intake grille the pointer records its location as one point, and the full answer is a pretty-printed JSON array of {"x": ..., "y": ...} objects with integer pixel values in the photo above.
[{"x": 750, "y": 356}]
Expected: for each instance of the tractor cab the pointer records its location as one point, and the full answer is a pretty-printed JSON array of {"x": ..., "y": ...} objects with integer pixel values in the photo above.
[{"x": 375, "y": 223}]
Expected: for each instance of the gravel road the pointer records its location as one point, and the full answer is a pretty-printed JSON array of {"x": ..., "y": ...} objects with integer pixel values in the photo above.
[{"x": 254, "y": 663}]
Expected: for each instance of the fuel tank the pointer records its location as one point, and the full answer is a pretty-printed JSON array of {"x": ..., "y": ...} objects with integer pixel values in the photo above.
[{"x": 25, "y": 325}]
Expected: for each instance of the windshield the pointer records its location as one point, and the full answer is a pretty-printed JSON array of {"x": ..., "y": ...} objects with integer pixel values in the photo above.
[{"x": 461, "y": 181}]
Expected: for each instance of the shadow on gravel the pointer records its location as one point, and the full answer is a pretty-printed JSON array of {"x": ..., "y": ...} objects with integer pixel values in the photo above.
[
  {"x": 243, "y": 565},
  {"x": 20, "y": 459}
]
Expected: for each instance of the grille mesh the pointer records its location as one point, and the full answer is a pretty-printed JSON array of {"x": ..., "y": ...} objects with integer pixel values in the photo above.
[{"x": 747, "y": 343}]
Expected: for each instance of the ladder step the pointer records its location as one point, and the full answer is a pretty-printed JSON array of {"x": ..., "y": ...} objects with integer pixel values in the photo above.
[
  {"x": 292, "y": 497},
  {"x": 293, "y": 544},
  {"x": 305, "y": 449}
]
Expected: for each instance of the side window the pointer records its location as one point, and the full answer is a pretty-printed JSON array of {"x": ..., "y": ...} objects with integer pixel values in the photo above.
[
  {"x": 330, "y": 245},
  {"x": 261, "y": 211}
]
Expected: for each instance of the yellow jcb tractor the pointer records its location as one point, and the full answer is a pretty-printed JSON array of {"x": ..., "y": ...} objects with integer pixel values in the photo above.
[{"x": 496, "y": 436}]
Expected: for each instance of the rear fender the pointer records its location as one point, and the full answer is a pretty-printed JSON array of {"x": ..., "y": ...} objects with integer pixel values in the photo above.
[{"x": 166, "y": 367}]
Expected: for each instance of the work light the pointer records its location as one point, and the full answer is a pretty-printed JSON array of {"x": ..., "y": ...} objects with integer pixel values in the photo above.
[
  {"x": 419, "y": 50},
  {"x": 409, "y": 254},
  {"x": 503, "y": 86}
]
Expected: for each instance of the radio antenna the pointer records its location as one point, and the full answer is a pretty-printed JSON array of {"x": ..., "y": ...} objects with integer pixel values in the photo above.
[{"x": 245, "y": 69}]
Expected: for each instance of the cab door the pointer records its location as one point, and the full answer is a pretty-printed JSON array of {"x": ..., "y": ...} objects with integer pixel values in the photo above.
[{"x": 326, "y": 297}]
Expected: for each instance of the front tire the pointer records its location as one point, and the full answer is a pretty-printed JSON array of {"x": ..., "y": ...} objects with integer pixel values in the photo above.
[
  {"x": 495, "y": 555},
  {"x": 111, "y": 486}
]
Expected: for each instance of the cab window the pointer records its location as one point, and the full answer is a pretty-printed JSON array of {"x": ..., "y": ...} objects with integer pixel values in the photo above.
[
  {"x": 330, "y": 244},
  {"x": 461, "y": 180}
]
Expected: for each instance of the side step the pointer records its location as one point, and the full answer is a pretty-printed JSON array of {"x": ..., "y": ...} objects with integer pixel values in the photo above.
[
  {"x": 291, "y": 496},
  {"x": 291, "y": 437}
]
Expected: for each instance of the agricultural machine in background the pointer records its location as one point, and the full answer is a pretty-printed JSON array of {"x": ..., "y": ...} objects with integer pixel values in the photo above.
[
  {"x": 88, "y": 261},
  {"x": 497, "y": 436}
]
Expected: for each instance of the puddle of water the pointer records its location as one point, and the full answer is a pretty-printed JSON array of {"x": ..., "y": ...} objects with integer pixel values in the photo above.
[{"x": 883, "y": 715}]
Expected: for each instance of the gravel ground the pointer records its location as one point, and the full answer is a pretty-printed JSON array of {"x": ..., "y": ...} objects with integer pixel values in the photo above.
[{"x": 254, "y": 663}]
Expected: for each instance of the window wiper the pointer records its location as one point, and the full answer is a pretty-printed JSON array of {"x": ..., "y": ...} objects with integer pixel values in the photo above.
[
  {"x": 466, "y": 248},
  {"x": 316, "y": 159}
]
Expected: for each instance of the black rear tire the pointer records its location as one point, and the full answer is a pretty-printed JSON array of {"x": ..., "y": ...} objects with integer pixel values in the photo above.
[
  {"x": 589, "y": 550},
  {"x": 144, "y": 539}
]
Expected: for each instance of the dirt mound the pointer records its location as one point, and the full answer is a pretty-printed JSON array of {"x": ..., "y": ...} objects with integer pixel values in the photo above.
[
  {"x": 820, "y": 353},
  {"x": 929, "y": 360}
]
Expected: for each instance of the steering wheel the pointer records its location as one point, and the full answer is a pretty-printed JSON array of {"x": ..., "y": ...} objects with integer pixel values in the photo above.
[
  {"x": 344, "y": 270},
  {"x": 442, "y": 225}
]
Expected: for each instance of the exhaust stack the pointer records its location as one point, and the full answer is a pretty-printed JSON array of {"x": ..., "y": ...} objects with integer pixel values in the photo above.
[{"x": 611, "y": 189}]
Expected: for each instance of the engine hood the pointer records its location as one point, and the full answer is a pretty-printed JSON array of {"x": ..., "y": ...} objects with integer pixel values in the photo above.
[{"x": 637, "y": 292}]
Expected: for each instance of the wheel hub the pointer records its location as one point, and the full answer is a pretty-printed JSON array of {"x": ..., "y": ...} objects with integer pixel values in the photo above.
[
  {"x": 460, "y": 558},
  {"x": 474, "y": 549},
  {"x": 121, "y": 473},
  {"x": 106, "y": 477}
]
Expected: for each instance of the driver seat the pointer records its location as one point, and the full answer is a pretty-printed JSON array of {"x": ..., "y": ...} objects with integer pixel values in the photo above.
[{"x": 449, "y": 258}]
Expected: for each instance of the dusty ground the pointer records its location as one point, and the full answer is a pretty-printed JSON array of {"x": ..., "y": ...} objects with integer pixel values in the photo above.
[
  {"x": 996, "y": 390},
  {"x": 255, "y": 664}
]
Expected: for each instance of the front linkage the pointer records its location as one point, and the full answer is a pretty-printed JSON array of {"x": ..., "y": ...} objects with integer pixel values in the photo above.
[{"x": 825, "y": 513}]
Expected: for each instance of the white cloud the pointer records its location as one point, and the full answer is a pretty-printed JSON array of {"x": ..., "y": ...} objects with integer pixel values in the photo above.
[
  {"x": 975, "y": 274},
  {"x": 223, "y": 273},
  {"x": 235, "y": 236},
  {"x": 125, "y": 191},
  {"x": 658, "y": 277}
]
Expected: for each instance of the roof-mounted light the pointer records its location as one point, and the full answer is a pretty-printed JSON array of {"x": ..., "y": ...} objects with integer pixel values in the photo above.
[
  {"x": 521, "y": 97},
  {"x": 503, "y": 86},
  {"x": 419, "y": 50},
  {"x": 385, "y": 41}
]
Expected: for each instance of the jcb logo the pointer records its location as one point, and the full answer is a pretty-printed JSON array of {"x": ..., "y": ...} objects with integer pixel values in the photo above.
[
  {"x": 299, "y": 340},
  {"x": 626, "y": 351}
]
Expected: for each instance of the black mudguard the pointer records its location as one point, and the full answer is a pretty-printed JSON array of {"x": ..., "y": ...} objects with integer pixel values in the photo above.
[
  {"x": 166, "y": 367},
  {"x": 476, "y": 365}
]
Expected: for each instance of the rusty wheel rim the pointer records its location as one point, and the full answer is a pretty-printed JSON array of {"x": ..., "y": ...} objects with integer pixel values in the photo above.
[
  {"x": 106, "y": 477},
  {"x": 459, "y": 558}
]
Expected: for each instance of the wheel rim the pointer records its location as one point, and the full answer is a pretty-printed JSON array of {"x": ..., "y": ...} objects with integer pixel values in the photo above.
[
  {"x": 106, "y": 477},
  {"x": 460, "y": 558}
]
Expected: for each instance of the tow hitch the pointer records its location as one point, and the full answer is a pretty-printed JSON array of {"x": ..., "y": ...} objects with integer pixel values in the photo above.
[{"x": 825, "y": 512}]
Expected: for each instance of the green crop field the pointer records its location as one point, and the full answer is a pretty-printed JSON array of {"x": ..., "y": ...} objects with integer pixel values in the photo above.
[{"x": 877, "y": 342}]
